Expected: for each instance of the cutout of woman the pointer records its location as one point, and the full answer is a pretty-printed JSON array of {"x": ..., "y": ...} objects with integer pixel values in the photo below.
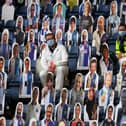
[
  {"x": 4, "y": 45},
  {"x": 31, "y": 46},
  {"x": 77, "y": 116}
]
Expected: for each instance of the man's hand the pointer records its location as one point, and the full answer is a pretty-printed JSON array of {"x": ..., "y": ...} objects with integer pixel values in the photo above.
[{"x": 52, "y": 67}]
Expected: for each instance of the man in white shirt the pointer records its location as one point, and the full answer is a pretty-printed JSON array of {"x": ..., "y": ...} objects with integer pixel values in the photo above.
[
  {"x": 98, "y": 34},
  {"x": 54, "y": 58},
  {"x": 33, "y": 108}
]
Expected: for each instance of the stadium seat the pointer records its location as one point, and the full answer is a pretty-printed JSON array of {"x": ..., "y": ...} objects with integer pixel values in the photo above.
[
  {"x": 116, "y": 98},
  {"x": 48, "y": 10},
  {"x": 21, "y": 11},
  {"x": 101, "y": 114},
  {"x": 10, "y": 25},
  {"x": 1, "y": 25},
  {"x": 101, "y": 82},
  {"x": 42, "y": 113},
  {"x": 74, "y": 11},
  {"x": 93, "y": 51}
]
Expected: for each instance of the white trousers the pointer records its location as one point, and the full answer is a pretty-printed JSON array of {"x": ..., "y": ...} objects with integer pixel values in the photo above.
[{"x": 61, "y": 73}]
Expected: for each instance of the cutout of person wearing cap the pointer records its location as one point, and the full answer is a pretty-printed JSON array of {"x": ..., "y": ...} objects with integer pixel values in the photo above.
[
  {"x": 120, "y": 75},
  {"x": 90, "y": 108},
  {"x": 54, "y": 59},
  {"x": 31, "y": 46},
  {"x": 106, "y": 94},
  {"x": 77, "y": 93},
  {"x": 86, "y": 20},
  {"x": 62, "y": 109},
  {"x": 77, "y": 116},
  {"x": 19, "y": 33},
  {"x": 44, "y": 30},
  {"x": 113, "y": 20},
  {"x": 18, "y": 118},
  {"x": 109, "y": 116},
  {"x": 15, "y": 63},
  {"x": 58, "y": 21},
  {"x": 72, "y": 34},
  {"x": 2, "y": 121},
  {"x": 33, "y": 108},
  {"x": 26, "y": 79},
  {"x": 106, "y": 63},
  {"x": 4, "y": 44},
  {"x": 48, "y": 90},
  {"x": 84, "y": 50},
  {"x": 91, "y": 78},
  {"x": 47, "y": 121}
]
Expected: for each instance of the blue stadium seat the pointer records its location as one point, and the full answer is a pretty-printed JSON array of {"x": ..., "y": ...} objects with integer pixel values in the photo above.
[
  {"x": 93, "y": 51},
  {"x": 101, "y": 114},
  {"x": 11, "y": 38},
  {"x": 42, "y": 113},
  {"x": 8, "y": 122},
  {"x": 90, "y": 38},
  {"x": 1, "y": 25},
  {"x": 21, "y": 11},
  {"x": 13, "y": 92},
  {"x": 48, "y": 10},
  {"x": 57, "y": 97},
  {"x": 73, "y": 57},
  {"x": 86, "y": 123},
  {"x": 71, "y": 113},
  {"x": 15, "y": 82},
  {"x": 116, "y": 98},
  {"x": 74, "y": 11},
  {"x": 101, "y": 82},
  {"x": 10, "y": 25},
  {"x": 33, "y": 66}
]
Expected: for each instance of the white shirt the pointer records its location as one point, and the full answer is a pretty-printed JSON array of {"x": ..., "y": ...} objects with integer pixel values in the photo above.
[
  {"x": 97, "y": 41},
  {"x": 7, "y": 12},
  {"x": 33, "y": 111},
  {"x": 45, "y": 100},
  {"x": 59, "y": 57}
]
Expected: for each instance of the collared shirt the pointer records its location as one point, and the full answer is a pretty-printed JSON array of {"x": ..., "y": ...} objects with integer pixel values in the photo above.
[
  {"x": 33, "y": 111},
  {"x": 43, "y": 123},
  {"x": 97, "y": 43}
]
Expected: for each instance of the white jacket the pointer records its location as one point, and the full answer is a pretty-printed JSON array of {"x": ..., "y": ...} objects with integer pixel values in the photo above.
[{"x": 59, "y": 56}]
